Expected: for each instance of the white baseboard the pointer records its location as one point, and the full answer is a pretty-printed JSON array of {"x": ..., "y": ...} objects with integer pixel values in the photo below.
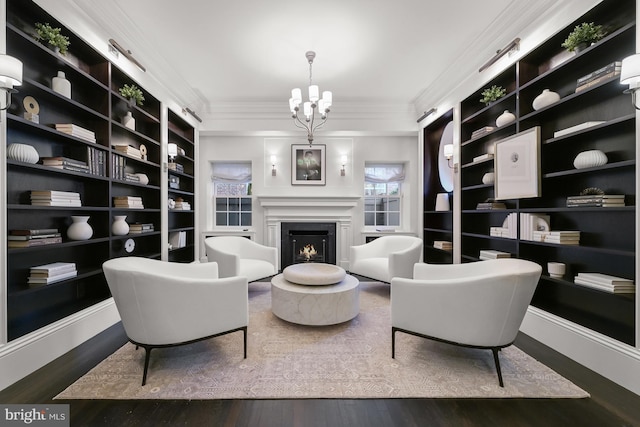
[
  {"x": 29, "y": 353},
  {"x": 610, "y": 358}
]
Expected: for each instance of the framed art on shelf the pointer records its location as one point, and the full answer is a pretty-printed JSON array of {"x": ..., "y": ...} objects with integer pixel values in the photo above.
[
  {"x": 308, "y": 164},
  {"x": 517, "y": 166}
]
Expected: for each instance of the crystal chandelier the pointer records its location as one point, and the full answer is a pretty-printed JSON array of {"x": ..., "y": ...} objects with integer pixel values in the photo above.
[{"x": 309, "y": 108}]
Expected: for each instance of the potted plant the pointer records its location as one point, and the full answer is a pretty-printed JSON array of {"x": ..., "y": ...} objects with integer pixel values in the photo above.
[
  {"x": 52, "y": 36},
  {"x": 132, "y": 93},
  {"x": 582, "y": 36},
  {"x": 492, "y": 94}
]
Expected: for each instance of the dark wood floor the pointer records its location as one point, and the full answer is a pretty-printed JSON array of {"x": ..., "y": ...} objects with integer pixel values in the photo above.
[{"x": 609, "y": 405}]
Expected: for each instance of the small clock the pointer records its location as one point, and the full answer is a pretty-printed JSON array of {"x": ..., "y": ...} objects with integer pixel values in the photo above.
[{"x": 129, "y": 245}]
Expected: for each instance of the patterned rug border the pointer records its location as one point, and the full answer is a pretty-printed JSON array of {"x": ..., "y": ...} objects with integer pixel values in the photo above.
[{"x": 283, "y": 363}]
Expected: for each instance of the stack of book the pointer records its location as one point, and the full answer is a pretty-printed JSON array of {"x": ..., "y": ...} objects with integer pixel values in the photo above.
[
  {"x": 55, "y": 198},
  {"x": 509, "y": 229},
  {"x": 530, "y": 223},
  {"x": 182, "y": 205},
  {"x": 559, "y": 237},
  {"x": 482, "y": 157},
  {"x": 445, "y": 245},
  {"x": 490, "y": 205},
  {"x": 128, "y": 150},
  {"x": 598, "y": 76},
  {"x": 176, "y": 167},
  {"x": 177, "y": 239},
  {"x": 65, "y": 163},
  {"x": 51, "y": 273},
  {"x": 77, "y": 131},
  {"x": 132, "y": 202},
  {"x": 576, "y": 128},
  {"x": 596, "y": 200},
  {"x": 36, "y": 237},
  {"x": 492, "y": 254},
  {"x": 482, "y": 131},
  {"x": 139, "y": 228},
  {"x": 131, "y": 177},
  {"x": 604, "y": 282}
]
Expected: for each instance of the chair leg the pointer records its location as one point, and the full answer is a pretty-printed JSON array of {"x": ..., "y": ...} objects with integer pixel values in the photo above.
[
  {"x": 244, "y": 331},
  {"x": 497, "y": 361},
  {"x": 147, "y": 355},
  {"x": 393, "y": 342}
]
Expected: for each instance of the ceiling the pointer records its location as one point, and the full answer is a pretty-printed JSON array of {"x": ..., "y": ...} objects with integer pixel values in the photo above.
[{"x": 215, "y": 53}]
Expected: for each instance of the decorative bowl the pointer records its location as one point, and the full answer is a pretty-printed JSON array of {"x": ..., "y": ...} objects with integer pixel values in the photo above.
[
  {"x": 590, "y": 159},
  {"x": 22, "y": 153}
]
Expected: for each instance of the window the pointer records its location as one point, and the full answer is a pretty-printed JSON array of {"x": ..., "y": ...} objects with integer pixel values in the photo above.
[
  {"x": 382, "y": 195},
  {"x": 232, "y": 194}
]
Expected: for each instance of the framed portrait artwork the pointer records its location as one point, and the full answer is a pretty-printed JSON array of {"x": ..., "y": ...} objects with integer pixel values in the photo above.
[
  {"x": 517, "y": 166},
  {"x": 308, "y": 164}
]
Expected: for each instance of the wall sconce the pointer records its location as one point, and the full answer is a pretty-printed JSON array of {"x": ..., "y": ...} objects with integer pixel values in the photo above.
[
  {"x": 343, "y": 160},
  {"x": 273, "y": 164},
  {"x": 448, "y": 154},
  {"x": 630, "y": 75},
  {"x": 10, "y": 76}
]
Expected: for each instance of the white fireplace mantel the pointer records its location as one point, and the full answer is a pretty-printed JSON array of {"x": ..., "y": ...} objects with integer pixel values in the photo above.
[{"x": 338, "y": 209}]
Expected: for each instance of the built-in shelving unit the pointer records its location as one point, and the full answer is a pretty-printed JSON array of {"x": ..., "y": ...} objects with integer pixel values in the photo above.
[
  {"x": 182, "y": 238},
  {"x": 96, "y": 105},
  {"x": 607, "y": 239},
  {"x": 437, "y": 225}
]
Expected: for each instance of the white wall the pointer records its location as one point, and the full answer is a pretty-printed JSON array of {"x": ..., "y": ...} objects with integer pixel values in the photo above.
[{"x": 358, "y": 149}]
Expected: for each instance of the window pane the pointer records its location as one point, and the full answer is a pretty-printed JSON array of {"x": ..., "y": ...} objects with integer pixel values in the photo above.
[
  {"x": 381, "y": 218},
  {"x": 369, "y": 189},
  {"x": 234, "y": 219},
  {"x": 369, "y": 218},
  {"x": 221, "y": 204},
  {"x": 245, "y": 219},
  {"x": 380, "y": 189},
  {"x": 381, "y": 205},
  {"x": 221, "y": 218},
  {"x": 394, "y": 204},
  {"x": 393, "y": 188},
  {"x": 394, "y": 219},
  {"x": 245, "y": 204},
  {"x": 234, "y": 204},
  {"x": 369, "y": 204}
]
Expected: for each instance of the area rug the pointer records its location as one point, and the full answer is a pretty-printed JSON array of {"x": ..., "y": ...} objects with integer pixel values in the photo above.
[{"x": 350, "y": 360}]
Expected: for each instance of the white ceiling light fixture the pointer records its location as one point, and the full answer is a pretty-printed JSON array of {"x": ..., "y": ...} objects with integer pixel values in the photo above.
[{"x": 309, "y": 107}]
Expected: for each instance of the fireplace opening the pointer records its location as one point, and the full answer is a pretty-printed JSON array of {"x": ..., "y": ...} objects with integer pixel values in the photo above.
[{"x": 307, "y": 242}]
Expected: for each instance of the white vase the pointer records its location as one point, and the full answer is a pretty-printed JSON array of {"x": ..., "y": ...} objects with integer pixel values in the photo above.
[
  {"x": 22, "y": 153},
  {"x": 488, "y": 178},
  {"x": 546, "y": 98},
  {"x": 61, "y": 85},
  {"x": 505, "y": 118},
  {"x": 80, "y": 228},
  {"x": 442, "y": 202},
  {"x": 128, "y": 121},
  {"x": 590, "y": 159},
  {"x": 120, "y": 226}
]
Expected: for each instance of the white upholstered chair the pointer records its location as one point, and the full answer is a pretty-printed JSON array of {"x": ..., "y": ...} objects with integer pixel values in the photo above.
[
  {"x": 239, "y": 256},
  {"x": 480, "y": 304},
  {"x": 386, "y": 257},
  {"x": 164, "y": 304}
]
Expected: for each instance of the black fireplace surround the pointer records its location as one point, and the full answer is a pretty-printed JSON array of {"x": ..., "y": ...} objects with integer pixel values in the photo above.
[{"x": 307, "y": 242}]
